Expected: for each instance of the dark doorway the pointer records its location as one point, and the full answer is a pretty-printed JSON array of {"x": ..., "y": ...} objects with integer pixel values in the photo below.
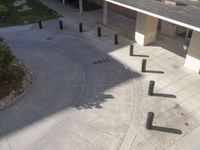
[{"x": 87, "y": 6}]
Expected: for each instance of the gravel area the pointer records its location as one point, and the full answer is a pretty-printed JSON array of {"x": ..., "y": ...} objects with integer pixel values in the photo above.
[{"x": 26, "y": 83}]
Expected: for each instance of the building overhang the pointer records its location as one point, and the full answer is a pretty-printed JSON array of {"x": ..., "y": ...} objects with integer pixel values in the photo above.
[{"x": 186, "y": 15}]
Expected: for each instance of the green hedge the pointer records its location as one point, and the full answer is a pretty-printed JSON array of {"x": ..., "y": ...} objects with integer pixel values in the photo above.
[
  {"x": 6, "y": 57},
  {"x": 3, "y": 10},
  {"x": 11, "y": 74}
]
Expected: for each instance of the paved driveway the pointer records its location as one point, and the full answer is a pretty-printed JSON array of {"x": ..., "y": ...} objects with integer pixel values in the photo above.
[{"x": 81, "y": 98}]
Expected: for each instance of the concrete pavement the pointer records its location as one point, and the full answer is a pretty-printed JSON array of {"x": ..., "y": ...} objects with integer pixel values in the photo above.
[
  {"x": 77, "y": 104},
  {"x": 73, "y": 103}
]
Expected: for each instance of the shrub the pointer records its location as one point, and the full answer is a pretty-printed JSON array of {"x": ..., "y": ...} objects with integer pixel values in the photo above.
[
  {"x": 6, "y": 58},
  {"x": 3, "y": 10},
  {"x": 11, "y": 72}
]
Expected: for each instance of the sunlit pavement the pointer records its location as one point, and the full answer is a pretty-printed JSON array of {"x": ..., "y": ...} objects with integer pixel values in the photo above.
[{"x": 90, "y": 94}]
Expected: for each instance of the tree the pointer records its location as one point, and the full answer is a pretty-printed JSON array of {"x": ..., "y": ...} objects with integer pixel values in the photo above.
[{"x": 3, "y": 10}]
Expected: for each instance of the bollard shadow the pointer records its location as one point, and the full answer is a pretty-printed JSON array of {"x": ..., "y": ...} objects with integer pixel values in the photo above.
[
  {"x": 165, "y": 129},
  {"x": 152, "y": 71},
  {"x": 140, "y": 55},
  {"x": 164, "y": 95}
]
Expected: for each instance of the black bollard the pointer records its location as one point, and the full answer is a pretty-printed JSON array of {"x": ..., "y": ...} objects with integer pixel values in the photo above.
[
  {"x": 151, "y": 88},
  {"x": 149, "y": 122},
  {"x": 80, "y": 27},
  {"x": 99, "y": 31},
  {"x": 144, "y": 63},
  {"x": 40, "y": 24},
  {"x": 116, "y": 39},
  {"x": 131, "y": 50},
  {"x": 61, "y": 24}
]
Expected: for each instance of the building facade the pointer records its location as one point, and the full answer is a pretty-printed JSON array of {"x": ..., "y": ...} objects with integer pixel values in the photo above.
[{"x": 168, "y": 16}]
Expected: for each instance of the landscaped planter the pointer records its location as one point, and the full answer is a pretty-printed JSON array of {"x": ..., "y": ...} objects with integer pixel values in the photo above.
[{"x": 20, "y": 12}]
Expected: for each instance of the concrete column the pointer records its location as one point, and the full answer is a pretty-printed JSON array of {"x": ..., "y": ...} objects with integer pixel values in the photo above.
[
  {"x": 81, "y": 6},
  {"x": 193, "y": 56},
  {"x": 105, "y": 12},
  {"x": 63, "y": 1},
  {"x": 146, "y": 29}
]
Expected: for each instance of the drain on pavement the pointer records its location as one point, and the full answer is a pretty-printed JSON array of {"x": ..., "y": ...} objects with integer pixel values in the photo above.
[
  {"x": 105, "y": 60},
  {"x": 49, "y": 38}
]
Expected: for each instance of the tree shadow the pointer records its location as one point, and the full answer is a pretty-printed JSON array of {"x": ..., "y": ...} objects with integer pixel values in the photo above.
[
  {"x": 64, "y": 78},
  {"x": 165, "y": 129},
  {"x": 164, "y": 95},
  {"x": 95, "y": 102}
]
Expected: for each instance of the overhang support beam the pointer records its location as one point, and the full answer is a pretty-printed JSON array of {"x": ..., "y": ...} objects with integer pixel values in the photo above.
[
  {"x": 146, "y": 29},
  {"x": 192, "y": 60}
]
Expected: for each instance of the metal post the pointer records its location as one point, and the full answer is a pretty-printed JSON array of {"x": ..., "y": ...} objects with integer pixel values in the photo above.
[
  {"x": 131, "y": 50},
  {"x": 81, "y": 6},
  {"x": 80, "y": 27},
  {"x": 151, "y": 88},
  {"x": 40, "y": 24},
  {"x": 116, "y": 39},
  {"x": 99, "y": 31},
  {"x": 144, "y": 63},
  {"x": 149, "y": 122},
  {"x": 61, "y": 24},
  {"x": 187, "y": 33},
  {"x": 105, "y": 12}
]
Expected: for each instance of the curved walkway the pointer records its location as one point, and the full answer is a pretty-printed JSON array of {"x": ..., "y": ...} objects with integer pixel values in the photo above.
[{"x": 81, "y": 98}]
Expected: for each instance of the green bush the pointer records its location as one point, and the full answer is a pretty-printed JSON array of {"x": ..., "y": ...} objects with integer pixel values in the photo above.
[
  {"x": 6, "y": 58},
  {"x": 3, "y": 10},
  {"x": 11, "y": 73}
]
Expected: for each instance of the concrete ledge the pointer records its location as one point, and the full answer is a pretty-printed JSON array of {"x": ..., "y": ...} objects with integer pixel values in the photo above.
[{"x": 192, "y": 64}]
